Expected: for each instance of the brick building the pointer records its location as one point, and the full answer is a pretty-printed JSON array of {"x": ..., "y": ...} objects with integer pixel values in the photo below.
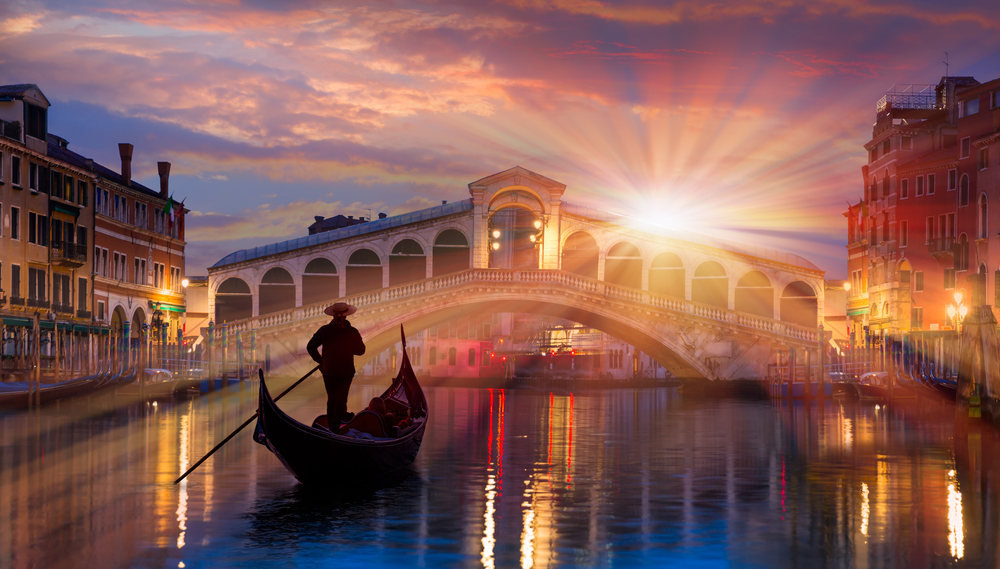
[{"x": 921, "y": 232}]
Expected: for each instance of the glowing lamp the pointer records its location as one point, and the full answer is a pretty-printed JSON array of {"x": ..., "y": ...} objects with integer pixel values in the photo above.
[
  {"x": 958, "y": 297},
  {"x": 496, "y": 246},
  {"x": 847, "y": 286},
  {"x": 496, "y": 234},
  {"x": 532, "y": 237},
  {"x": 538, "y": 224},
  {"x": 185, "y": 283},
  {"x": 963, "y": 310},
  {"x": 951, "y": 311}
]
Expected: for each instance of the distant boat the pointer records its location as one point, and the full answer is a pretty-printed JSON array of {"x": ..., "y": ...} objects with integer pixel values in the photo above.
[
  {"x": 16, "y": 394},
  {"x": 159, "y": 383},
  {"x": 315, "y": 455}
]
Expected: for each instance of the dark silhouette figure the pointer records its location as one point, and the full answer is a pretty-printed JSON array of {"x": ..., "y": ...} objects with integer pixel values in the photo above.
[{"x": 340, "y": 342}]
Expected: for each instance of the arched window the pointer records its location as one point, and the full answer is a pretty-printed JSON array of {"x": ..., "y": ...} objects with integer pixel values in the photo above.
[
  {"x": 623, "y": 265},
  {"x": 472, "y": 356},
  {"x": 320, "y": 282},
  {"x": 666, "y": 275},
  {"x": 799, "y": 304},
  {"x": 885, "y": 184},
  {"x": 364, "y": 272},
  {"x": 963, "y": 252},
  {"x": 963, "y": 191},
  {"x": 755, "y": 295},
  {"x": 407, "y": 263},
  {"x": 452, "y": 356},
  {"x": 277, "y": 291},
  {"x": 983, "y": 218},
  {"x": 579, "y": 255},
  {"x": 432, "y": 356},
  {"x": 451, "y": 252},
  {"x": 233, "y": 301},
  {"x": 710, "y": 285}
]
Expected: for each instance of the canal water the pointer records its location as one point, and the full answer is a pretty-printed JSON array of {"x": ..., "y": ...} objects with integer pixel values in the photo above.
[{"x": 509, "y": 478}]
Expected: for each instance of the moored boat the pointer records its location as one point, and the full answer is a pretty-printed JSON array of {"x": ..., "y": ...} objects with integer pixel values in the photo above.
[{"x": 314, "y": 454}]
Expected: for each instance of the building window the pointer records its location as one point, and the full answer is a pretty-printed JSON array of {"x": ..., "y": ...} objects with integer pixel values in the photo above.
[
  {"x": 175, "y": 279},
  {"x": 963, "y": 191},
  {"x": 971, "y": 106},
  {"x": 472, "y": 356},
  {"x": 33, "y": 176},
  {"x": 916, "y": 318},
  {"x": 984, "y": 156},
  {"x": 904, "y": 189},
  {"x": 906, "y": 143},
  {"x": 486, "y": 359},
  {"x": 15, "y": 171},
  {"x": 15, "y": 223},
  {"x": 983, "y": 219},
  {"x": 920, "y": 186},
  {"x": 36, "y": 284},
  {"x": 949, "y": 278},
  {"x": 32, "y": 227},
  {"x": 903, "y": 238},
  {"x": 452, "y": 356},
  {"x": 966, "y": 147},
  {"x": 100, "y": 310},
  {"x": 81, "y": 193},
  {"x": 918, "y": 281},
  {"x": 432, "y": 356},
  {"x": 35, "y": 121},
  {"x": 930, "y": 184},
  {"x": 929, "y": 230},
  {"x": 886, "y": 146},
  {"x": 952, "y": 180}
]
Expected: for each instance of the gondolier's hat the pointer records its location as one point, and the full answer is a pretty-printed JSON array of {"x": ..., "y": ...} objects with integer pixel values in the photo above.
[{"x": 340, "y": 309}]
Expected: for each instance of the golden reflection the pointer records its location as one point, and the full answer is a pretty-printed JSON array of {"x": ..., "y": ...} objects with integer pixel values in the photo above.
[
  {"x": 490, "y": 527},
  {"x": 182, "y": 501},
  {"x": 864, "y": 509},
  {"x": 956, "y": 531},
  {"x": 848, "y": 434},
  {"x": 528, "y": 535}
]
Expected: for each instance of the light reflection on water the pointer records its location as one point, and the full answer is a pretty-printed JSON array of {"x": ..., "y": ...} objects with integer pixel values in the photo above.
[{"x": 508, "y": 478}]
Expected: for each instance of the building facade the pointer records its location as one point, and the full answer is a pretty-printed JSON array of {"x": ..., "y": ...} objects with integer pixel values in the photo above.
[{"x": 918, "y": 241}]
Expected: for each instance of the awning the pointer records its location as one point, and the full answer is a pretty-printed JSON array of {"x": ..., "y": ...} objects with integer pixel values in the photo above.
[
  {"x": 857, "y": 311},
  {"x": 14, "y": 321},
  {"x": 167, "y": 307},
  {"x": 67, "y": 209}
]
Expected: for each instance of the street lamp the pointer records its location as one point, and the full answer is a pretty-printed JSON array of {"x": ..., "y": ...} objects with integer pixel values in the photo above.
[{"x": 957, "y": 310}]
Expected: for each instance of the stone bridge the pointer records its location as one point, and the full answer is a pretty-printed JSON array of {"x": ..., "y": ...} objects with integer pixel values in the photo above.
[{"x": 703, "y": 308}]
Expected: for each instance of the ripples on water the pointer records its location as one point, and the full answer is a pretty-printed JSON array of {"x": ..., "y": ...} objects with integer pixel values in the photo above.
[{"x": 508, "y": 478}]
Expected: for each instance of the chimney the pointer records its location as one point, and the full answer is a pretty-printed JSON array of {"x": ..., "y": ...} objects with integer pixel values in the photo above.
[
  {"x": 89, "y": 163},
  {"x": 318, "y": 218},
  {"x": 125, "y": 149},
  {"x": 444, "y": 202},
  {"x": 164, "y": 169},
  {"x": 381, "y": 216},
  {"x": 351, "y": 217}
]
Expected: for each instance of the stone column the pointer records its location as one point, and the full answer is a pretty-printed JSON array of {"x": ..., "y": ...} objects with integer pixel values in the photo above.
[{"x": 480, "y": 225}]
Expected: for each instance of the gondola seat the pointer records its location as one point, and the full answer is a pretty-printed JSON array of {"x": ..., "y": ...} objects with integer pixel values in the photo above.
[{"x": 367, "y": 422}]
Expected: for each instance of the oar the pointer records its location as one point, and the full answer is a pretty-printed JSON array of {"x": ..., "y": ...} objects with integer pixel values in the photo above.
[{"x": 240, "y": 428}]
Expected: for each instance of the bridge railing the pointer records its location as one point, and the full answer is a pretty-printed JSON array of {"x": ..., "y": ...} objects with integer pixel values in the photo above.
[{"x": 540, "y": 276}]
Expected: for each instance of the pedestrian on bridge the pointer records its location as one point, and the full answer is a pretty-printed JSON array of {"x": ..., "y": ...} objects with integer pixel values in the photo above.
[{"x": 340, "y": 342}]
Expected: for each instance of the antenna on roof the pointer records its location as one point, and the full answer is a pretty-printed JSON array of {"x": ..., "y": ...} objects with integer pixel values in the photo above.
[{"x": 945, "y": 65}]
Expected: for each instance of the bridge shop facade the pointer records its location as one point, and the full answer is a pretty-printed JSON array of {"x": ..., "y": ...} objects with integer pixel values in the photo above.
[{"x": 700, "y": 307}]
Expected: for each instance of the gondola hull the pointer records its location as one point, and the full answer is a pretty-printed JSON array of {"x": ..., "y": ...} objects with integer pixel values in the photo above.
[{"x": 317, "y": 456}]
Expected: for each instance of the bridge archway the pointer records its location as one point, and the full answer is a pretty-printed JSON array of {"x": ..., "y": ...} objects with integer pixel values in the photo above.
[
  {"x": 580, "y": 254},
  {"x": 755, "y": 295},
  {"x": 364, "y": 272},
  {"x": 623, "y": 265},
  {"x": 666, "y": 275},
  {"x": 799, "y": 304},
  {"x": 515, "y": 232},
  {"x": 277, "y": 291},
  {"x": 407, "y": 263},
  {"x": 710, "y": 285},
  {"x": 233, "y": 300},
  {"x": 451, "y": 252},
  {"x": 320, "y": 282}
]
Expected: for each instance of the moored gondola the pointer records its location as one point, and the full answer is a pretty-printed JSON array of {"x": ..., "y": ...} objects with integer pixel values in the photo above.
[{"x": 314, "y": 454}]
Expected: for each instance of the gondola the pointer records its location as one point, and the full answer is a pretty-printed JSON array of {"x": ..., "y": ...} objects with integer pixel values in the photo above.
[
  {"x": 16, "y": 394},
  {"x": 314, "y": 454}
]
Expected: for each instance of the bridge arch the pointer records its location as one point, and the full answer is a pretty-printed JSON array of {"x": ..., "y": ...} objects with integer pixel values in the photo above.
[
  {"x": 407, "y": 262},
  {"x": 277, "y": 290},
  {"x": 320, "y": 281},
  {"x": 754, "y": 294},
  {"x": 623, "y": 265},
  {"x": 666, "y": 275},
  {"x": 233, "y": 300},
  {"x": 799, "y": 304},
  {"x": 364, "y": 271},
  {"x": 580, "y": 254},
  {"x": 452, "y": 252},
  {"x": 710, "y": 284}
]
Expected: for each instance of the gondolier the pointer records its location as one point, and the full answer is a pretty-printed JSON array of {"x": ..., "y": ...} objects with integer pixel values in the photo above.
[{"x": 340, "y": 342}]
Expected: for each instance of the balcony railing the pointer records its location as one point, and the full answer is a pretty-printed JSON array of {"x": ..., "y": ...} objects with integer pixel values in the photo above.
[
  {"x": 67, "y": 253},
  {"x": 941, "y": 245},
  {"x": 85, "y": 314},
  {"x": 38, "y": 303},
  {"x": 16, "y": 301},
  {"x": 64, "y": 308}
]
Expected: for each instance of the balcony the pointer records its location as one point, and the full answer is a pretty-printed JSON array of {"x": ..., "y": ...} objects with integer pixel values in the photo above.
[
  {"x": 16, "y": 301},
  {"x": 62, "y": 308},
  {"x": 38, "y": 303},
  {"x": 941, "y": 247},
  {"x": 69, "y": 254},
  {"x": 85, "y": 314}
]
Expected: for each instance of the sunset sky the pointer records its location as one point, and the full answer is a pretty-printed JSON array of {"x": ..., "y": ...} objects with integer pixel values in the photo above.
[{"x": 743, "y": 120}]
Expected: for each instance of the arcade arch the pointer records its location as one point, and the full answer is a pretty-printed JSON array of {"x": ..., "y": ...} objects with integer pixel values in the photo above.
[
  {"x": 623, "y": 265},
  {"x": 277, "y": 291},
  {"x": 755, "y": 295},
  {"x": 233, "y": 300},
  {"x": 799, "y": 304},
  {"x": 580, "y": 255},
  {"x": 364, "y": 272},
  {"x": 710, "y": 285},
  {"x": 451, "y": 252},
  {"x": 666, "y": 275},
  {"x": 407, "y": 263},
  {"x": 320, "y": 282}
]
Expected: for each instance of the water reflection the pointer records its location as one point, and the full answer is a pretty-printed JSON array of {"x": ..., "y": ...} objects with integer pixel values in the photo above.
[{"x": 509, "y": 478}]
